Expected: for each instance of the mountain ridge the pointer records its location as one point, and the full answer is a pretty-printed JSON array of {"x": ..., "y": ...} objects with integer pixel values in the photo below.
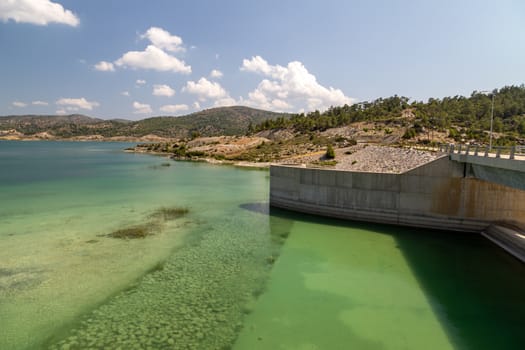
[{"x": 235, "y": 120}]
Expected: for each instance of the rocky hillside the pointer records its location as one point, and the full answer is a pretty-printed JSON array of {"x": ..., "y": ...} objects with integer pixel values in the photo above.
[{"x": 211, "y": 122}]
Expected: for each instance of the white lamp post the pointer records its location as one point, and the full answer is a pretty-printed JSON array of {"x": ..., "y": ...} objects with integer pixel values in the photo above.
[
  {"x": 491, "y": 122},
  {"x": 491, "y": 117}
]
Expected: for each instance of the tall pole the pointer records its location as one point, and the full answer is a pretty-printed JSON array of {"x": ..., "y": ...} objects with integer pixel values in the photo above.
[{"x": 491, "y": 122}]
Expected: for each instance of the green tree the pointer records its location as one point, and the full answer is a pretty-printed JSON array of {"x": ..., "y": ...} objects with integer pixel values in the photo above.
[{"x": 330, "y": 153}]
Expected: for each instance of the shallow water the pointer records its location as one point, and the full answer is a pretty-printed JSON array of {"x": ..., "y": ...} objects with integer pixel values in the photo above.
[
  {"x": 58, "y": 268},
  {"x": 230, "y": 272},
  {"x": 344, "y": 285}
]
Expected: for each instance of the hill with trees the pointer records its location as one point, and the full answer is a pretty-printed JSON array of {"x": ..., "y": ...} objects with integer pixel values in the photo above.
[
  {"x": 463, "y": 119},
  {"x": 391, "y": 120},
  {"x": 211, "y": 122}
]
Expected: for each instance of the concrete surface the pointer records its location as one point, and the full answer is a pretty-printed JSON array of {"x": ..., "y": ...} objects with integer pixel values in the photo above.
[{"x": 438, "y": 195}]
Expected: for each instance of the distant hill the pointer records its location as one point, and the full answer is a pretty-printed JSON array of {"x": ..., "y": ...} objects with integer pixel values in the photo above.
[{"x": 211, "y": 122}]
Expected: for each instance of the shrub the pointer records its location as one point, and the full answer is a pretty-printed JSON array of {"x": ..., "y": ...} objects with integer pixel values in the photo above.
[
  {"x": 453, "y": 133},
  {"x": 410, "y": 133},
  {"x": 195, "y": 154},
  {"x": 330, "y": 153}
]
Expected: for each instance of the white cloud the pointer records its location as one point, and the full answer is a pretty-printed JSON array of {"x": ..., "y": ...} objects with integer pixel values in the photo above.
[
  {"x": 174, "y": 108},
  {"x": 141, "y": 108},
  {"x": 216, "y": 74},
  {"x": 74, "y": 104},
  {"x": 290, "y": 88},
  {"x": 104, "y": 66},
  {"x": 39, "y": 12},
  {"x": 19, "y": 104},
  {"x": 196, "y": 105},
  {"x": 140, "y": 82},
  {"x": 125, "y": 93},
  {"x": 163, "y": 39},
  {"x": 39, "y": 103},
  {"x": 153, "y": 58},
  {"x": 206, "y": 89},
  {"x": 61, "y": 111},
  {"x": 225, "y": 102},
  {"x": 259, "y": 65},
  {"x": 163, "y": 90}
]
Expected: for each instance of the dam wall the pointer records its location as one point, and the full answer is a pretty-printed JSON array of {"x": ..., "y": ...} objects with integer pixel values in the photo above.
[{"x": 438, "y": 195}]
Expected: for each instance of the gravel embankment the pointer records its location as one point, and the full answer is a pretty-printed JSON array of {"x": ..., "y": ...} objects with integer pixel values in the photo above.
[{"x": 385, "y": 159}]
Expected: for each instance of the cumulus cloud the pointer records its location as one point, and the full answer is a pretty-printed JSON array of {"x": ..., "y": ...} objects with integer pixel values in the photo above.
[
  {"x": 153, "y": 58},
  {"x": 163, "y": 90},
  {"x": 206, "y": 89},
  {"x": 141, "y": 108},
  {"x": 39, "y": 103},
  {"x": 174, "y": 108},
  {"x": 196, "y": 105},
  {"x": 224, "y": 102},
  {"x": 39, "y": 12},
  {"x": 289, "y": 88},
  {"x": 74, "y": 104},
  {"x": 104, "y": 66},
  {"x": 163, "y": 39},
  {"x": 19, "y": 104},
  {"x": 216, "y": 74},
  {"x": 140, "y": 82},
  {"x": 61, "y": 111},
  {"x": 125, "y": 93}
]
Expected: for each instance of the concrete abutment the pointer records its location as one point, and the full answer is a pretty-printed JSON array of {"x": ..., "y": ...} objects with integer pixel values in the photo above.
[{"x": 437, "y": 195}]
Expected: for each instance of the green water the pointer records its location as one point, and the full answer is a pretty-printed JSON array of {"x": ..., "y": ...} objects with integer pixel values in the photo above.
[{"x": 230, "y": 273}]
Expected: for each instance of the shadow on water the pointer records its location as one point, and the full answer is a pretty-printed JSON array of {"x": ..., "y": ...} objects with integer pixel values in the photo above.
[
  {"x": 260, "y": 208},
  {"x": 476, "y": 290}
]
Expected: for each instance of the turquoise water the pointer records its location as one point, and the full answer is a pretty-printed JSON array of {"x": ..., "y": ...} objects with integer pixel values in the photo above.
[{"x": 230, "y": 273}]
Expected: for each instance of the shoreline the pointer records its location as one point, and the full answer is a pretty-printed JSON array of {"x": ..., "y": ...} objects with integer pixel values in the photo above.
[
  {"x": 116, "y": 139},
  {"x": 367, "y": 159},
  {"x": 241, "y": 164},
  {"x": 358, "y": 158}
]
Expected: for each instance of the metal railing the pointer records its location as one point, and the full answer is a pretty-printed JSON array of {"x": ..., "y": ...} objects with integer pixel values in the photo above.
[{"x": 483, "y": 151}]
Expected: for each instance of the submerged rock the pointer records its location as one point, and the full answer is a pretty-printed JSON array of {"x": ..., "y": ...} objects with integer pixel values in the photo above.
[
  {"x": 153, "y": 226},
  {"x": 140, "y": 231}
]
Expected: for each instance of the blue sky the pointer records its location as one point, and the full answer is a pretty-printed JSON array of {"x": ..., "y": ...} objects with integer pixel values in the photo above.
[{"x": 137, "y": 59}]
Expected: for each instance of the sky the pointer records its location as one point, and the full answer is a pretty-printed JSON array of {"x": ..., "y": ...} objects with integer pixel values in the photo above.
[{"x": 137, "y": 59}]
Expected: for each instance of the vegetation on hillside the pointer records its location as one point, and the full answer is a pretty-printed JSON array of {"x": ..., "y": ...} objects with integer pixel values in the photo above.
[
  {"x": 385, "y": 120},
  {"x": 462, "y": 118},
  {"x": 321, "y": 138},
  {"x": 211, "y": 122}
]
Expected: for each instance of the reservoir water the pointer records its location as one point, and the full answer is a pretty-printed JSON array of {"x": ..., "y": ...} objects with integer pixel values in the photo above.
[{"x": 231, "y": 273}]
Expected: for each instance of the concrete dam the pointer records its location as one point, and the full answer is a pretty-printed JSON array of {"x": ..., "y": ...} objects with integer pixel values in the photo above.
[{"x": 457, "y": 191}]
